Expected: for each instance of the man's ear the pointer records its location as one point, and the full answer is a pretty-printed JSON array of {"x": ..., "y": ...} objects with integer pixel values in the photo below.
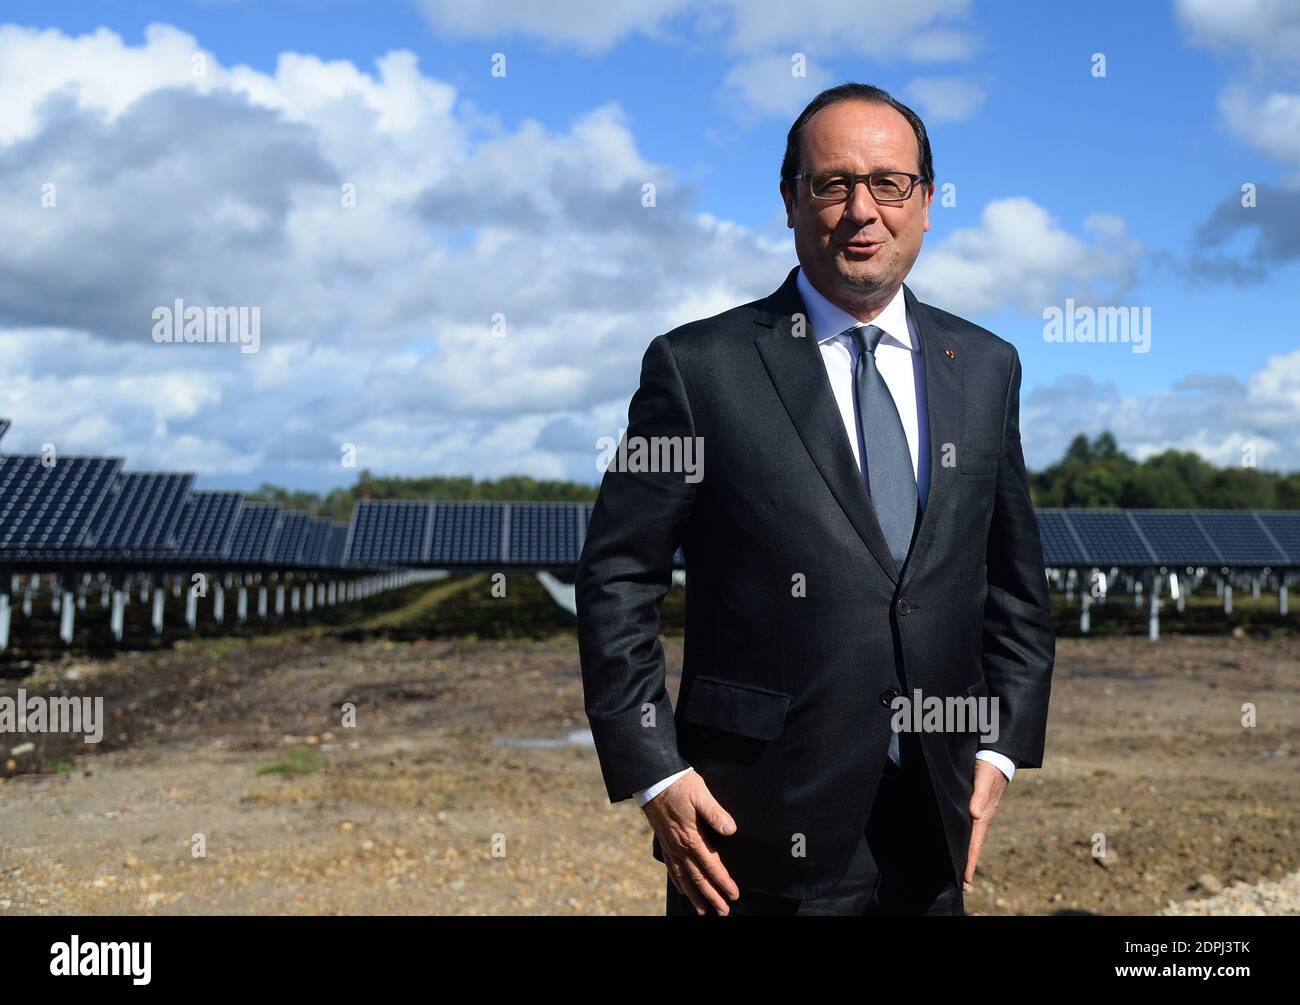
[
  {"x": 788, "y": 195},
  {"x": 929, "y": 201}
]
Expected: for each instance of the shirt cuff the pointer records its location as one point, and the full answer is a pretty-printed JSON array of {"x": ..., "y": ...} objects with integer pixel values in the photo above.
[
  {"x": 645, "y": 795},
  {"x": 999, "y": 761}
]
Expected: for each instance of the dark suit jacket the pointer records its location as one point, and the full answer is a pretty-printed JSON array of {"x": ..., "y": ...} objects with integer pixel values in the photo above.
[{"x": 782, "y": 707}]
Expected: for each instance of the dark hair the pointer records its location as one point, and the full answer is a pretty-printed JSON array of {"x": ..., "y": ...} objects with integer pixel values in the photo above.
[{"x": 856, "y": 92}]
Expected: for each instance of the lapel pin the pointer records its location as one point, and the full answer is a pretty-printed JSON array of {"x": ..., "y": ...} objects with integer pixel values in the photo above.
[{"x": 950, "y": 354}]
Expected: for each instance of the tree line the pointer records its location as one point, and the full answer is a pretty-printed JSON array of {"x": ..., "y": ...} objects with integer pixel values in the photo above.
[{"x": 1092, "y": 473}]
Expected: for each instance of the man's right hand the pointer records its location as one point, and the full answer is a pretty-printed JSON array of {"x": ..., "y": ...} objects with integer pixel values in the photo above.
[{"x": 684, "y": 817}]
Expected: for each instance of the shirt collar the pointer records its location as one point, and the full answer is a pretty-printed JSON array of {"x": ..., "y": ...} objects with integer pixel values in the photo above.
[{"x": 828, "y": 320}]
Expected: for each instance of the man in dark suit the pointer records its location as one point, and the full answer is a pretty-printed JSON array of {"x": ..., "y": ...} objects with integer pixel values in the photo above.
[{"x": 860, "y": 533}]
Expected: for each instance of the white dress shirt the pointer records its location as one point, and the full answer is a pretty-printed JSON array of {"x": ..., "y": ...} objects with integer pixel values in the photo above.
[{"x": 898, "y": 358}]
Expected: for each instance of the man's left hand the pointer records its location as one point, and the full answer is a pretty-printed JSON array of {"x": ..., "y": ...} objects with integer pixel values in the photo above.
[{"x": 990, "y": 783}]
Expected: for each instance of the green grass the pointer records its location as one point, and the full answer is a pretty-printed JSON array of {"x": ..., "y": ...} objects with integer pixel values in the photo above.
[{"x": 303, "y": 761}]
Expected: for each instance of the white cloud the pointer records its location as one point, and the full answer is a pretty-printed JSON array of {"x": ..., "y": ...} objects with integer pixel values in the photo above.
[
  {"x": 377, "y": 321},
  {"x": 1262, "y": 110},
  {"x": 760, "y": 35},
  {"x": 876, "y": 28},
  {"x": 1019, "y": 257},
  {"x": 945, "y": 99},
  {"x": 591, "y": 26},
  {"x": 1214, "y": 416},
  {"x": 766, "y": 84},
  {"x": 1269, "y": 121},
  {"x": 103, "y": 74},
  {"x": 1264, "y": 29},
  {"x": 1266, "y": 33}
]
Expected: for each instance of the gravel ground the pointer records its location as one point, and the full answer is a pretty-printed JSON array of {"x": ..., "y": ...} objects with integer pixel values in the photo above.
[
  {"x": 1282, "y": 897},
  {"x": 419, "y": 808}
]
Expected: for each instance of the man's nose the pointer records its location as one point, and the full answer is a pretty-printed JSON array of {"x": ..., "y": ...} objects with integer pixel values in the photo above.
[{"x": 861, "y": 208}]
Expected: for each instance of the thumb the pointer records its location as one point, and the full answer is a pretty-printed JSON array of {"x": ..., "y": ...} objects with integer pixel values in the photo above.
[{"x": 714, "y": 815}]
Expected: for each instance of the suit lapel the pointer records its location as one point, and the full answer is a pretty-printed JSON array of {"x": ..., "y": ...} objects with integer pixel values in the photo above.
[
  {"x": 945, "y": 408},
  {"x": 795, "y": 366}
]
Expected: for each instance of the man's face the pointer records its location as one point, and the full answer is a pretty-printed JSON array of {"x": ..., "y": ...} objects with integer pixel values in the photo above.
[{"x": 857, "y": 252}]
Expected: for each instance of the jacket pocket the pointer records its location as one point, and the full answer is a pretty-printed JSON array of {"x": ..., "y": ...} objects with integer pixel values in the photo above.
[{"x": 742, "y": 709}]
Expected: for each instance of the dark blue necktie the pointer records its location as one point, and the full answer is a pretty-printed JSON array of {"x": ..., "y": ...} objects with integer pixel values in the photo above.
[{"x": 887, "y": 460}]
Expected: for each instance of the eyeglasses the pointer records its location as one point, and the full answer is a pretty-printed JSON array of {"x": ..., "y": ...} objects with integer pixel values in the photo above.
[{"x": 884, "y": 186}]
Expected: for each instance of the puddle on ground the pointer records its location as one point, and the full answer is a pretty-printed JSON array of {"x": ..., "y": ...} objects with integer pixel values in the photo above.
[
  {"x": 577, "y": 738},
  {"x": 1110, "y": 674}
]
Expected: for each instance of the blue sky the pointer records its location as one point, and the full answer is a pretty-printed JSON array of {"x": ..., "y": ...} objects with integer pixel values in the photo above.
[{"x": 518, "y": 195}]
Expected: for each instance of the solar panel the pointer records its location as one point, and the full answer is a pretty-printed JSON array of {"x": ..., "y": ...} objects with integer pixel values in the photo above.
[
  {"x": 292, "y": 539},
  {"x": 1175, "y": 537},
  {"x": 1284, "y": 527},
  {"x": 335, "y": 552},
  {"x": 140, "y": 512},
  {"x": 466, "y": 533},
  {"x": 51, "y": 506},
  {"x": 389, "y": 531},
  {"x": 1060, "y": 546},
  {"x": 256, "y": 532},
  {"x": 543, "y": 533},
  {"x": 1108, "y": 537},
  {"x": 1239, "y": 537},
  {"x": 314, "y": 542},
  {"x": 206, "y": 527}
]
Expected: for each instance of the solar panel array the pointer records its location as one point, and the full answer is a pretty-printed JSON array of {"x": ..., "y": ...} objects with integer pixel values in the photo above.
[
  {"x": 292, "y": 539},
  {"x": 314, "y": 542},
  {"x": 469, "y": 533},
  {"x": 1059, "y": 539},
  {"x": 256, "y": 533},
  {"x": 1240, "y": 538},
  {"x": 1283, "y": 528},
  {"x": 543, "y": 534},
  {"x": 207, "y": 524},
  {"x": 1152, "y": 537},
  {"x": 140, "y": 513},
  {"x": 1108, "y": 537},
  {"x": 391, "y": 531},
  {"x": 1175, "y": 538},
  {"x": 66, "y": 510},
  {"x": 50, "y": 502},
  {"x": 69, "y": 512},
  {"x": 334, "y": 546},
  {"x": 474, "y": 534},
  {"x": 302, "y": 541}
]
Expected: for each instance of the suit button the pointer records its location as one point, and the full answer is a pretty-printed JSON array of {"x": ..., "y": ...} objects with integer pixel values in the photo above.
[
  {"x": 904, "y": 606},
  {"x": 887, "y": 696}
]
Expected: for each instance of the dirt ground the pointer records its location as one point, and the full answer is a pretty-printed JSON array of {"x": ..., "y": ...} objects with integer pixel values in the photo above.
[{"x": 419, "y": 808}]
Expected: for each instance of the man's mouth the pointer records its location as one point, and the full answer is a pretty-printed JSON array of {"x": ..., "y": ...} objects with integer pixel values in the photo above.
[{"x": 862, "y": 249}]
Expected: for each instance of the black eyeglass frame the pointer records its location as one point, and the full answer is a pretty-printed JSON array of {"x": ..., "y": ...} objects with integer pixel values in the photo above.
[{"x": 855, "y": 178}]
